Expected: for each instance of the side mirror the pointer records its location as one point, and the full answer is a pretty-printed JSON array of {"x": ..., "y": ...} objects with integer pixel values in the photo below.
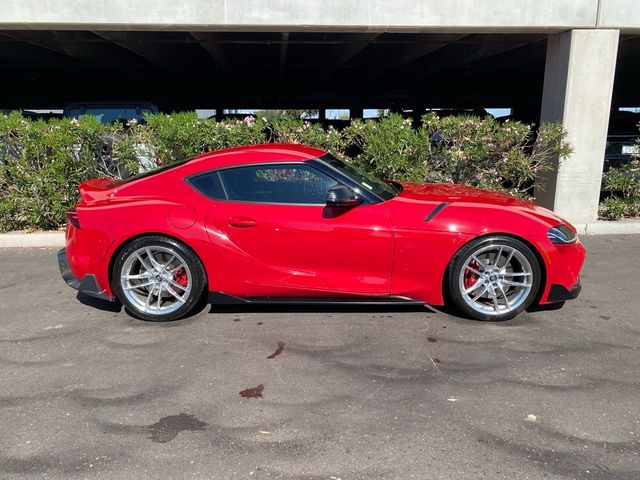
[{"x": 342, "y": 196}]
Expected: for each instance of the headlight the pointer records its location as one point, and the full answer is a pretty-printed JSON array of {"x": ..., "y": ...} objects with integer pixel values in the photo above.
[{"x": 562, "y": 234}]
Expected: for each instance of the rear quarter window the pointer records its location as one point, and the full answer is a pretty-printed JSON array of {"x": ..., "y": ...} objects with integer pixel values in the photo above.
[{"x": 209, "y": 185}]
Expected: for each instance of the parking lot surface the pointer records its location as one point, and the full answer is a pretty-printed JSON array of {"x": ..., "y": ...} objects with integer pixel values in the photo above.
[{"x": 327, "y": 393}]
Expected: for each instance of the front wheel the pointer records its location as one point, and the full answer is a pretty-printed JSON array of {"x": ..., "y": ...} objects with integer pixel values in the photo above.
[
  {"x": 158, "y": 278},
  {"x": 493, "y": 278}
]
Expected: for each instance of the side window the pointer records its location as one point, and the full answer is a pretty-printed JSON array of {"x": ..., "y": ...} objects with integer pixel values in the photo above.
[
  {"x": 209, "y": 185},
  {"x": 276, "y": 184}
]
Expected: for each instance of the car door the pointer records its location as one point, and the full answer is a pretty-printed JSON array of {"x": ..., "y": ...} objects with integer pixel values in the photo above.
[{"x": 272, "y": 227}]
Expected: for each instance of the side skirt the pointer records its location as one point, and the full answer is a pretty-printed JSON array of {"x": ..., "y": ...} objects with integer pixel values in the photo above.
[{"x": 220, "y": 298}]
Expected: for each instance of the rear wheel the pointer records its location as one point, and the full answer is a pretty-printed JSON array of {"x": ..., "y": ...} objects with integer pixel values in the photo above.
[
  {"x": 158, "y": 278},
  {"x": 494, "y": 278}
]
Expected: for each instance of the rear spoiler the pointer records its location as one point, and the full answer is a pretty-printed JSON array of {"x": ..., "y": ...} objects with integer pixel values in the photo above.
[{"x": 96, "y": 189}]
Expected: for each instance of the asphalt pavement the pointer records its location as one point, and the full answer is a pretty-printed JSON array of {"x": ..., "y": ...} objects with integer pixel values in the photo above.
[{"x": 320, "y": 393}]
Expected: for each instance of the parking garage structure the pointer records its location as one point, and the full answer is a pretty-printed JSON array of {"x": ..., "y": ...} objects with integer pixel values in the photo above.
[{"x": 572, "y": 61}]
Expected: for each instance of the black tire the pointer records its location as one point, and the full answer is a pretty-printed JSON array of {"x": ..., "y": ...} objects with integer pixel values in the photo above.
[
  {"x": 162, "y": 247},
  {"x": 491, "y": 283}
]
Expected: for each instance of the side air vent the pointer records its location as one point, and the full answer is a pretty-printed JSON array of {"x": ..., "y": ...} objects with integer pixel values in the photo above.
[{"x": 436, "y": 211}]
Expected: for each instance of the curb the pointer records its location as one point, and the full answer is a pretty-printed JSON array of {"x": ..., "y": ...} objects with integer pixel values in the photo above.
[
  {"x": 32, "y": 240},
  {"x": 56, "y": 239},
  {"x": 608, "y": 228}
]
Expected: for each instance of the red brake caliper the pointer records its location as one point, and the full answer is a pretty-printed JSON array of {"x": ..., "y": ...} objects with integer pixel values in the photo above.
[
  {"x": 181, "y": 277},
  {"x": 471, "y": 278}
]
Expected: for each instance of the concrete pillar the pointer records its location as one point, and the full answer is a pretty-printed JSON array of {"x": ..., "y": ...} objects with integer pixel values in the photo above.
[{"x": 578, "y": 84}]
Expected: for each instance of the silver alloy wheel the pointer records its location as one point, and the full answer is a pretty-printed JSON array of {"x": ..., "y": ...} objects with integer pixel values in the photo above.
[
  {"x": 495, "y": 279},
  {"x": 156, "y": 280}
]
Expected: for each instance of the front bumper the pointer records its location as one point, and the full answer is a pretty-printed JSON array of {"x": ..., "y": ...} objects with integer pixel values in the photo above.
[
  {"x": 87, "y": 286},
  {"x": 558, "y": 293},
  {"x": 563, "y": 263}
]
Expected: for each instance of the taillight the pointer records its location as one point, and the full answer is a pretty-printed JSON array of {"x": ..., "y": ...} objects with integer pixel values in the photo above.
[{"x": 72, "y": 215}]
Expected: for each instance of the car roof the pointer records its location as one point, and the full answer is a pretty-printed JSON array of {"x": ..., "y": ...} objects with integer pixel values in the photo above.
[
  {"x": 275, "y": 152},
  {"x": 230, "y": 157}
]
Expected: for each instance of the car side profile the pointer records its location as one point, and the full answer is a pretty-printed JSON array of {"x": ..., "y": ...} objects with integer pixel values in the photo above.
[{"x": 291, "y": 223}]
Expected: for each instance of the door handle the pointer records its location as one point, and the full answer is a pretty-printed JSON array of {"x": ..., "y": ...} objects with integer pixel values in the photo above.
[{"x": 241, "y": 222}]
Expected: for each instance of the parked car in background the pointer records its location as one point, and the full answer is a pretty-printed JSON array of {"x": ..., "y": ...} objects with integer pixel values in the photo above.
[
  {"x": 624, "y": 132},
  {"x": 109, "y": 112},
  {"x": 121, "y": 112},
  {"x": 36, "y": 114},
  {"x": 290, "y": 223}
]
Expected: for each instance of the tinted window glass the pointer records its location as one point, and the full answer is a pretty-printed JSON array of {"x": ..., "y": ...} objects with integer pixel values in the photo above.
[
  {"x": 276, "y": 184},
  {"x": 209, "y": 185},
  {"x": 382, "y": 189}
]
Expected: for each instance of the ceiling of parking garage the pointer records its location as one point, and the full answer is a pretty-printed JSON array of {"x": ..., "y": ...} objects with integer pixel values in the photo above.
[{"x": 271, "y": 70}]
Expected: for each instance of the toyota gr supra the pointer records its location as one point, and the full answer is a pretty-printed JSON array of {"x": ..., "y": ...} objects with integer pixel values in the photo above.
[{"x": 293, "y": 224}]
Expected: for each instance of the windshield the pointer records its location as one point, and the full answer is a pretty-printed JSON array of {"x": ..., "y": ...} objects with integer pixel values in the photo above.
[{"x": 384, "y": 190}]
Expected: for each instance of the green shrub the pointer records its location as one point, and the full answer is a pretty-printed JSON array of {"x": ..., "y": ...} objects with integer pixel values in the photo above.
[
  {"x": 389, "y": 148},
  {"x": 461, "y": 149},
  {"x": 306, "y": 133},
  {"x": 42, "y": 163},
  {"x": 170, "y": 138},
  {"x": 624, "y": 182},
  {"x": 613, "y": 208}
]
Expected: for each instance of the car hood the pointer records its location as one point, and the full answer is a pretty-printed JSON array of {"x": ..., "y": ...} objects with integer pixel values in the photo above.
[
  {"x": 453, "y": 192},
  {"x": 466, "y": 197}
]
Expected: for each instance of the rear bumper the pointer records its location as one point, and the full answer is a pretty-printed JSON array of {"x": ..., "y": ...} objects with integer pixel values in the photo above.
[
  {"x": 87, "y": 286},
  {"x": 65, "y": 270}
]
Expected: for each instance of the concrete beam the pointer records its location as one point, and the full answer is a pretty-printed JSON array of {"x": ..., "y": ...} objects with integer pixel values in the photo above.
[
  {"x": 213, "y": 47},
  {"x": 425, "y": 45},
  {"x": 24, "y": 52},
  {"x": 282, "y": 56},
  {"x": 619, "y": 14},
  {"x": 164, "y": 58},
  {"x": 348, "y": 52},
  {"x": 317, "y": 15},
  {"x": 578, "y": 86},
  {"x": 62, "y": 43},
  {"x": 457, "y": 54}
]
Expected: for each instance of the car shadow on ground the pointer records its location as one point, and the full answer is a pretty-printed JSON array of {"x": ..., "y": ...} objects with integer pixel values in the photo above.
[
  {"x": 545, "y": 308},
  {"x": 518, "y": 320},
  {"x": 116, "y": 307}
]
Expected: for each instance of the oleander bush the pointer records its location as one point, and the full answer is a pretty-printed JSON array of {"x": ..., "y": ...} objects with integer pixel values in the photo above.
[
  {"x": 164, "y": 139},
  {"x": 624, "y": 184},
  {"x": 300, "y": 131},
  {"x": 504, "y": 157},
  {"x": 42, "y": 163}
]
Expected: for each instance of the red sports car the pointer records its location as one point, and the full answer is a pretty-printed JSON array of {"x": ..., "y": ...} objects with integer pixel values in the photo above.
[{"x": 290, "y": 223}]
